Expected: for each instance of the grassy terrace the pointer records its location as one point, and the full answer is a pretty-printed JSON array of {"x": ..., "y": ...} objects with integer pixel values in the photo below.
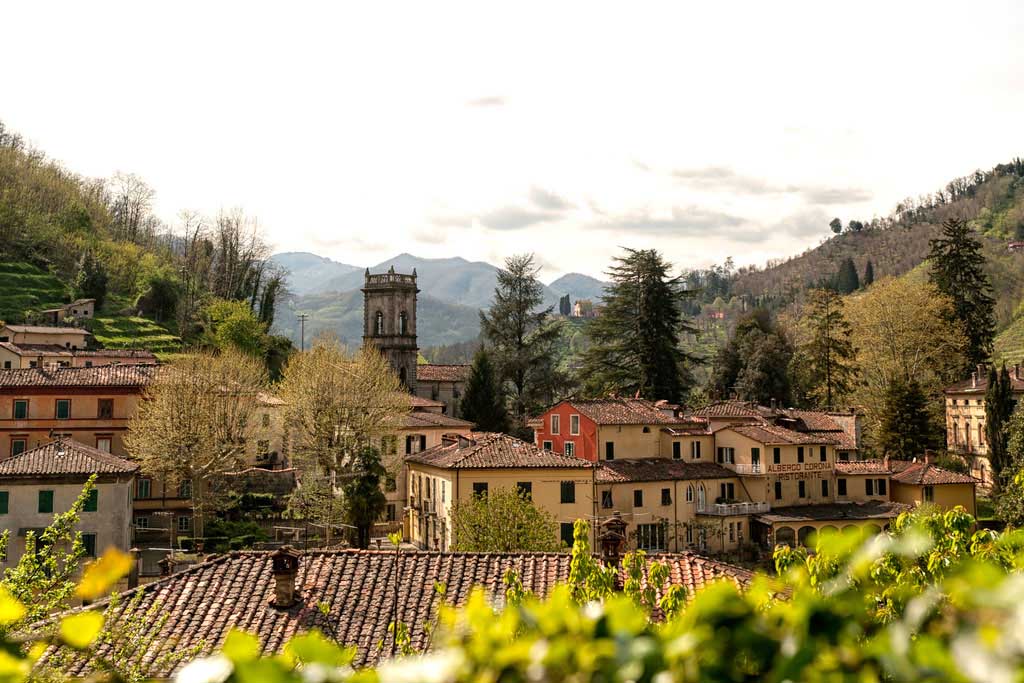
[
  {"x": 25, "y": 287},
  {"x": 1009, "y": 345},
  {"x": 118, "y": 332}
]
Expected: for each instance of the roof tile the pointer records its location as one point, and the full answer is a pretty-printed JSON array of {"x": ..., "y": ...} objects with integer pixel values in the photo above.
[
  {"x": 489, "y": 450},
  {"x": 62, "y": 457}
]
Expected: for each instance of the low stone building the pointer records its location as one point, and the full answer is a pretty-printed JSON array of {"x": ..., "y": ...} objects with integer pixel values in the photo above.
[
  {"x": 79, "y": 309},
  {"x": 43, "y": 481},
  {"x": 444, "y": 383}
]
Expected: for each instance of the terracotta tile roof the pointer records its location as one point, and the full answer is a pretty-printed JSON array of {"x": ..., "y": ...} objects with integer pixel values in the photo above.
[
  {"x": 429, "y": 372},
  {"x": 420, "y": 402},
  {"x": 835, "y": 512},
  {"x": 773, "y": 434},
  {"x": 488, "y": 450},
  {"x": 693, "y": 426},
  {"x": 123, "y": 375},
  {"x": 62, "y": 457},
  {"x": 40, "y": 329},
  {"x": 140, "y": 354},
  {"x": 926, "y": 474},
  {"x": 36, "y": 349},
  {"x": 204, "y": 602},
  {"x": 426, "y": 420},
  {"x": 969, "y": 386},
  {"x": 827, "y": 427},
  {"x": 626, "y": 411},
  {"x": 733, "y": 409},
  {"x": 658, "y": 469},
  {"x": 852, "y": 467}
]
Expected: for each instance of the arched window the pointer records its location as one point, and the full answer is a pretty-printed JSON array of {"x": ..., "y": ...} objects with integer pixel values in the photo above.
[
  {"x": 378, "y": 325},
  {"x": 403, "y": 323},
  {"x": 981, "y": 434},
  {"x": 700, "y": 495},
  {"x": 689, "y": 493},
  {"x": 956, "y": 434}
]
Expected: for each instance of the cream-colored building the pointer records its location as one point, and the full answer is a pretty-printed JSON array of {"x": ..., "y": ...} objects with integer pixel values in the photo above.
[
  {"x": 965, "y": 418},
  {"x": 39, "y": 483},
  {"x": 65, "y": 337},
  {"x": 48, "y": 356},
  {"x": 475, "y": 465},
  {"x": 443, "y": 383},
  {"x": 79, "y": 309}
]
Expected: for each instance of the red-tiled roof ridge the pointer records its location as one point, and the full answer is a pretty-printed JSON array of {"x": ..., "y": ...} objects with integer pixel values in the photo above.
[
  {"x": 493, "y": 450},
  {"x": 443, "y": 372},
  {"x": 122, "y": 374},
  {"x": 64, "y": 456},
  {"x": 627, "y": 411}
]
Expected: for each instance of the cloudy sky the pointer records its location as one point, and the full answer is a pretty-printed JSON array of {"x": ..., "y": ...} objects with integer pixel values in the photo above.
[{"x": 361, "y": 130}]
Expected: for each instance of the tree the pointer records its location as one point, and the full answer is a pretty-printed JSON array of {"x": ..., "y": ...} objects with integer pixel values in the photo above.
[
  {"x": 846, "y": 281},
  {"x": 636, "y": 341},
  {"x": 754, "y": 363},
  {"x": 958, "y": 271},
  {"x": 502, "y": 521},
  {"x": 337, "y": 404},
  {"x": 869, "y": 274},
  {"x": 233, "y": 325},
  {"x": 906, "y": 429},
  {"x": 999, "y": 403},
  {"x": 1010, "y": 501},
  {"x": 91, "y": 282},
  {"x": 192, "y": 425},
  {"x": 564, "y": 307},
  {"x": 483, "y": 403},
  {"x": 836, "y": 225},
  {"x": 829, "y": 354},
  {"x": 521, "y": 337},
  {"x": 364, "y": 499}
]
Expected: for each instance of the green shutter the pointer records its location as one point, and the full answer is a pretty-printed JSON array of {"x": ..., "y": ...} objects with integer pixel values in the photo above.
[
  {"x": 4, "y": 498},
  {"x": 46, "y": 501},
  {"x": 20, "y": 410},
  {"x": 92, "y": 502},
  {"x": 63, "y": 409}
]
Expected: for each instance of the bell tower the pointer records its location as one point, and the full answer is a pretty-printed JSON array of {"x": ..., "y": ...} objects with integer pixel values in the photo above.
[{"x": 389, "y": 320}]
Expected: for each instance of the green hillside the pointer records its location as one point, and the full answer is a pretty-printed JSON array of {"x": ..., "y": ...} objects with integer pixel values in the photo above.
[
  {"x": 115, "y": 332},
  {"x": 1010, "y": 343},
  {"x": 24, "y": 287}
]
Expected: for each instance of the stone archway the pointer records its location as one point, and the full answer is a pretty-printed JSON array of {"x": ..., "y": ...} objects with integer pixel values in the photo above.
[
  {"x": 804, "y": 534},
  {"x": 785, "y": 535}
]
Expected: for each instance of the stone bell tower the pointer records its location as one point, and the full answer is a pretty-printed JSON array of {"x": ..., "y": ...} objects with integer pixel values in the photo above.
[{"x": 389, "y": 320}]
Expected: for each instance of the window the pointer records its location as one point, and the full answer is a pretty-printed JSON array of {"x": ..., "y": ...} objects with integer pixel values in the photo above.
[
  {"x": 480, "y": 488},
  {"x": 7, "y": 365},
  {"x": 841, "y": 487},
  {"x": 650, "y": 537},
  {"x": 569, "y": 447},
  {"x": 403, "y": 323},
  {"x": 566, "y": 533},
  {"x": 92, "y": 503},
  {"x": 677, "y": 450},
  {"x": 18, "y": 446},
  {"x": 755, "y": 459},
  {"x": 142, "y": 522},
  {"x": 776, "y": 455},
  {"x": 929, "y": 494},
  {"x": 574, "y": 425},
  {"x": 89, "y": 543},
  {"x": 695, "y": 450},
  {"x": 646, "y": 429},
  {"x": 728, "y": 491},
  {"x": 265, "y": 419},
  {"x": 880, "y": 486},
  {"x": 568, "y": 492},
  {"x": 184, "y": 524},
  {"x": 689, "y": 535},
  {"x": 4, "y": 502},
  {"x": 185, "y": 489},
  {"x": 88, "y": 363},
  {"x": 869, "y": 487},
  {"x": 606, "y": 499},
  {"x": 142, "y": 488},
  {"x": 823, "y": 452},
  {"x": 105, "y": 408},
  {"x": 556, "y": 424},
  {"x": 546, "y": 445},
  {"x": 732, "y": 532},
  {"x": 799, "y": 453},
  {"x": 391, "y": 513},
  {"x": 638, "y": 498},
  {"x": 666, "y": 496},
  {"x": 103, "y": 443},
  {"x": 824, "y": 488},
  {"x": 262, "y": 447},
  {"x": 609, "y": 450},
  {"x": 378, "y": 324},
  {"x": 778, "y": 490},
  {"x": 21, "y": 409},
  {"x": 46, "y": 501},
  {"x": 726, "y": 455},
  {"x": 689, "y": 494},
  {"x": 801, "y": 488},
  {"x": 63, "y": 409},
  {"x": 444, "y": 490}
]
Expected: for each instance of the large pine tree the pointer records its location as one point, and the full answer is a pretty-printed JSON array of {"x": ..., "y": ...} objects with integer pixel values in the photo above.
[
  {"x": 958, "y": 270},
  {"x": 483, "y": 404},
  {"x": 521, "y": 336},
  {"x": 999, "y": 405},
  {"x": 828, "y": 352},
  {"x": 906, "y": 431},
  {"x": 636, "y": 340},
  {"x": 869, "y": 275},
  {"x": 847, "y": 281},
  {"x": 754, "y": 364}
]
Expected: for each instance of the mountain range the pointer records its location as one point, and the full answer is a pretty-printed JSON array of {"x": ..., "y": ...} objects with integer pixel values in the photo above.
[{"x": 452, "y": 291}]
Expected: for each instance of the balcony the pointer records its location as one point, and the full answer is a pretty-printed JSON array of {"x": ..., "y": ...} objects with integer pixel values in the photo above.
[
  {"x": 733, "y": 509},
  {"x": 429, "y": 506},
  {"x": 746, "y": 468}
]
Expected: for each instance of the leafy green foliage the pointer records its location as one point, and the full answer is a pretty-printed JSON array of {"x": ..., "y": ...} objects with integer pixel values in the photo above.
[
  {"x": 92, "y": 280},
  {"x": 999, "y": 403},
  {"x": 635, "y": 344},
  {"x": 363, "y": 496},
  {"x": 502, "y": 521},
  {"x": 906, "y": 430},
  {"x": 754, "y": 364},
  {"x": 483, "y": 403}
]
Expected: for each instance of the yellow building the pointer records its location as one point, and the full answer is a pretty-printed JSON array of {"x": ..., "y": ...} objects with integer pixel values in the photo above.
[
  {"x": 65, "y": 337},
  {"x": 482, "y": 462}
]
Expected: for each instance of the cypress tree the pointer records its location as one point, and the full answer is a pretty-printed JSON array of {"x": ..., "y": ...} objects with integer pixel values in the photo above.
[
  {"x": 829, "y": 353},
  {"x": 869, "y": 274},
  {"x": 636, "y": 341},
  {"x": 999, "y": 405},
  {"x": 958, "y": 270},
  {"x": 847, "y": 280},
  {"x": 905, "y": 431},
  {"x": 483, "y": 403}
]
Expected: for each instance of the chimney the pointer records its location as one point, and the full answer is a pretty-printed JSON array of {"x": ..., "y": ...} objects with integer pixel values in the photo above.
[
  {"x": 773, "y": 405},
  {"x": 929, "y": 456},
  {"x": 612, "y": 539},
  {"x": 285, "y": 562},
  {"x": 974, "y": 380},
  {"x": 167, "y": 565},
  {"x": 885, "y": 462}
]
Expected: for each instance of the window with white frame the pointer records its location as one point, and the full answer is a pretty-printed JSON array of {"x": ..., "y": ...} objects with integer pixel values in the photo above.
[
  {"x": 570, "y": 448},
  {"x": 555, "y": 424},
  {"x": 574, "y": 425}
]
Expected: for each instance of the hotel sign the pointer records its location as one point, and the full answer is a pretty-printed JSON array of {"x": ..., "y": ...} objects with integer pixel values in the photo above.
[{"x": 799, "y": 467}]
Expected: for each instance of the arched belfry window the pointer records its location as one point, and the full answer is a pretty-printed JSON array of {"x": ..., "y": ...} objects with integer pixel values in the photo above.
[
  {"x": 403, "y": 323},
  {"x": 378, "y": 325}
]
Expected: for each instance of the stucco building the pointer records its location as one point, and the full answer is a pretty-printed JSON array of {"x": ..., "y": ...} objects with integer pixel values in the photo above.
[
  {"x": 444, "y": 383},
  {"x": 48, "y": 479}
]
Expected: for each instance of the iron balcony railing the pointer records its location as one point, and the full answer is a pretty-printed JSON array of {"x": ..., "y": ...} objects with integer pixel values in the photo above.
[{"x": 733, "y": 509}]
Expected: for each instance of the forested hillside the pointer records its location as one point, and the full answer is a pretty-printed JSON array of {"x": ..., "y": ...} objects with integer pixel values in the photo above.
[{"x": 64, "y": 236}]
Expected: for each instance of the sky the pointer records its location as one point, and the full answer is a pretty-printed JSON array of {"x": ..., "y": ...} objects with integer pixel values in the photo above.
[{"x": 358, "y": 131}]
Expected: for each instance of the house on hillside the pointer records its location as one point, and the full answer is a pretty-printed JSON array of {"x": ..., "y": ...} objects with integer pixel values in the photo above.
[{"x": 79, "y": 309}]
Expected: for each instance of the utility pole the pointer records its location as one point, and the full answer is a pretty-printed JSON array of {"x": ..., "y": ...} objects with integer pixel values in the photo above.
[{"x": 302, "y": 332}]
